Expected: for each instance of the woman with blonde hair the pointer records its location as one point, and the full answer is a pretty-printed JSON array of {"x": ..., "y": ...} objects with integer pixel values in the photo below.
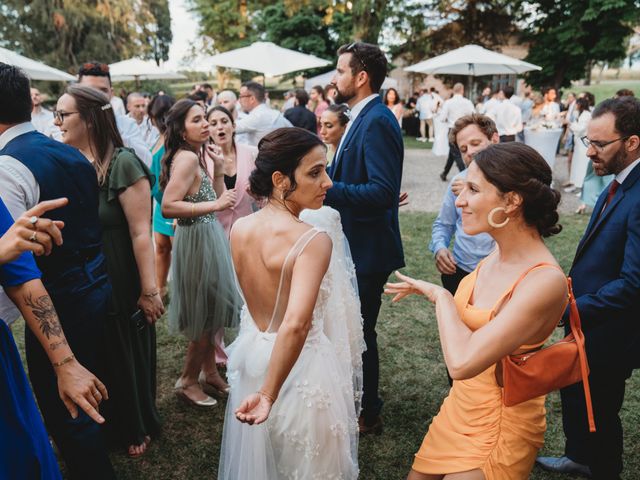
[{"x": 86, "y": 121}]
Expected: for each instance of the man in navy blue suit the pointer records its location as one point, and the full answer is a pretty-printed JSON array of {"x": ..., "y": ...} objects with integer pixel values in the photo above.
[
  {"x": 366, "y": 174},
  {"x": 606, "y": 282}
]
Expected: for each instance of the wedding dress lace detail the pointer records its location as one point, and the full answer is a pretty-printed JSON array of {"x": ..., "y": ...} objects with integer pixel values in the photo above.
[{"x": 312, "y": 431}]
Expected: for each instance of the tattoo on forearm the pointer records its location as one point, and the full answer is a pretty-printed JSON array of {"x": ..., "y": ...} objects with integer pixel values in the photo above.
[
  {"x": 55, "y": 345},
  {"x": 45, "y": 313}
]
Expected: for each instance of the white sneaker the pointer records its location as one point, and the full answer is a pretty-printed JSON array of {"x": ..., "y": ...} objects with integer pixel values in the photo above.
[{"x": 431, "y": 139}]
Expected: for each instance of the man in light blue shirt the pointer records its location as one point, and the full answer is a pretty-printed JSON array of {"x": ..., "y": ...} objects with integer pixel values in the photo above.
[{"x": 471, "y": 133}]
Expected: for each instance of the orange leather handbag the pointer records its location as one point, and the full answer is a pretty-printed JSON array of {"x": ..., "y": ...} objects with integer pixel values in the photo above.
[{"x": 532, "y": 374}]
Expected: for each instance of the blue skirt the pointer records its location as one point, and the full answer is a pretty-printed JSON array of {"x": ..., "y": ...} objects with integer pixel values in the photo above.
[{"x": 25, "y": 451}]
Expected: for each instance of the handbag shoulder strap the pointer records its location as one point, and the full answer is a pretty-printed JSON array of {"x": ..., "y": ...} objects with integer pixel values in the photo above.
[
  {"x": 509, "y": 293},
  {"x": 576, "y": 329}
]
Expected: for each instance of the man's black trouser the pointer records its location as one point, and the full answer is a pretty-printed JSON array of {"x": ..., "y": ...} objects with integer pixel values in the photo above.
[
  {"x": 80, "y": 297},
  {"x": 370, "y": 288},
  {"x": 601, "y": 450},
  {"x": 454, "y": 156}
]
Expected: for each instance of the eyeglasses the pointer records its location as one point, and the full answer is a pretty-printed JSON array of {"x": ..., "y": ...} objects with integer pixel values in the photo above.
[
  {"x": 59, "y": 115},
  {"x": 600, "y": 145},
  {"x": 353, "y": 49},
  {"x": 245, "y": 96}
]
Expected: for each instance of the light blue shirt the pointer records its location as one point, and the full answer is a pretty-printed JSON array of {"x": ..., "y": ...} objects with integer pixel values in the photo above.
[{"x": 468, "y": 250}]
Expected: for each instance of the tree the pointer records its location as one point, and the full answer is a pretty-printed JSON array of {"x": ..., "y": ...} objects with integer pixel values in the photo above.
[
  {"x": 158, "y": 30},
  {"x": 437, "y": 26},
  {"x": 368, "y": 18},
  {"x": 64, "y": 33},
  {"x": 569, "y": 37}
]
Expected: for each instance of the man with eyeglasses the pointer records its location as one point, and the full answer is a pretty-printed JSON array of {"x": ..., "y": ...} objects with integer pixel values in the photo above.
[
  {"x": 261, "y": 119},
  {"x": 35, "y": 168},
  {"x": 96, "y": 75},
  {"x": 606, "y": 283},
  {"x": 366, "y": 173}
]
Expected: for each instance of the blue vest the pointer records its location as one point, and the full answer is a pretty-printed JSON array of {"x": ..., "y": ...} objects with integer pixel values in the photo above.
[{"x": 62, "y": 171}]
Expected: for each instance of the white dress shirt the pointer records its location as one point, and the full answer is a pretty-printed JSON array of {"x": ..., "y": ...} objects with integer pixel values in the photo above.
[
  {"x": 550, "y": 111},
  {"x": 490, "y": 108},
  {"x": 621, "y": 177},
  {"x": 132, "y": 138},
  {"x": 20, "y": 192},
  {"x": 260, "y": 121},
  {"x": 508, "y": 118},
  {"x": 42, "y": 121},
  {"x": 355, "y": 111},
  {"x": 118, "y": 106},
  {"x": 149, "y": 132},
  {"x": 424, "y": 106},
  {"x": 456, "y": 107}
]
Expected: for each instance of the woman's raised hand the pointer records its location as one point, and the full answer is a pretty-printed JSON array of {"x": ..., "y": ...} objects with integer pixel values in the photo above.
[
  {"x": 410, "y": 286},
  {"x": 216, "y": 156},
  {"x": 227, "y": 199},
  {"x": 32, "y": 233}
]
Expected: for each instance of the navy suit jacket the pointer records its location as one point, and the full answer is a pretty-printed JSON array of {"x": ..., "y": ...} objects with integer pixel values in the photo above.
[
  {"x": 606, "y": 278},
  {"x": 366, "y": 178}
]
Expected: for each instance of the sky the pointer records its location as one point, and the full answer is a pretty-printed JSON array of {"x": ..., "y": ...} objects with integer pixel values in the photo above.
[{"x": 184, "y": 27}]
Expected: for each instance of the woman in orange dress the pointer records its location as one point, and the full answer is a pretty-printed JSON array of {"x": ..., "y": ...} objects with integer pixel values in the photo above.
[{"x": 509, "y": 304}]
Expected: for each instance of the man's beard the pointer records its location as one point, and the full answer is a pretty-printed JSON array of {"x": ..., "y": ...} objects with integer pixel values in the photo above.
[
  {"x": 616, "y": 164},
  {"x": 344, "y": 97}
]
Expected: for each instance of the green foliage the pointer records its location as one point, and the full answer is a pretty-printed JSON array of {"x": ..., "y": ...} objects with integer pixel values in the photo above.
[
  {"x": 66, "y": 33},
  {"x": 437, "y": 26},
  {"x": 568, "y": 37},
  {"x": 226, "y": 22}
]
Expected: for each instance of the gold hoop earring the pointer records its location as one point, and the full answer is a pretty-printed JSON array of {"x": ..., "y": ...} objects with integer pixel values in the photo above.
[{"x": 492, "y": 222}]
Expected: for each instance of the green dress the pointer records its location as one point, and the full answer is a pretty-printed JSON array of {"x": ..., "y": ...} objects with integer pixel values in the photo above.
[
  {"x": 131, "y": 411},
  {"x": 204, "y": 296}
]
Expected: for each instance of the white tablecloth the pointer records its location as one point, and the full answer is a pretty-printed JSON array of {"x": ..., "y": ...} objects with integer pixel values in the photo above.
[{"x": 544, "y": 141}]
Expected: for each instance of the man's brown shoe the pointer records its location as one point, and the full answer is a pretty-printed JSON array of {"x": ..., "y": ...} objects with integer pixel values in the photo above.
[{"x": 367, "y": 428}]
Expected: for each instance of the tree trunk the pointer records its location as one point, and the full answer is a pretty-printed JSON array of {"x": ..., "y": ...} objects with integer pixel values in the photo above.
[
  {"x": 587, "y": 73},
  {"x": 368, "y": 16}
]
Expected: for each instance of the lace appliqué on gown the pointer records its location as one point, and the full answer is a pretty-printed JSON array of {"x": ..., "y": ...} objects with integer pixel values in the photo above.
[{"x": 312, "y": 431}]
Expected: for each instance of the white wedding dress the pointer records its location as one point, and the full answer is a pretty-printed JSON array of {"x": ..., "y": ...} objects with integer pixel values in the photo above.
[{"x": 312, "y": 430}]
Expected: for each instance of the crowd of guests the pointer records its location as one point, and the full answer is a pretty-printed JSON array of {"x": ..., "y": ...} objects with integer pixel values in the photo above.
[{"x": 87, "y": 182}]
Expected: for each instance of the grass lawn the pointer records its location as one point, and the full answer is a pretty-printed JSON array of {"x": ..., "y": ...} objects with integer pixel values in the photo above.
[
  {"x": 606, "y": 89},
  {"x": 413, "y": 384},
  {"x": 411, "y": 142}
]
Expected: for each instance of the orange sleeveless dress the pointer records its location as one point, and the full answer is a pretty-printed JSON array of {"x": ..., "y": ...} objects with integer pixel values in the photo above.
[{"x": 474, "y": 430}]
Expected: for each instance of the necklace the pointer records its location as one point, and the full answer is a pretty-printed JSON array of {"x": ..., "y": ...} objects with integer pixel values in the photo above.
[{"x": 272, "y": 206}]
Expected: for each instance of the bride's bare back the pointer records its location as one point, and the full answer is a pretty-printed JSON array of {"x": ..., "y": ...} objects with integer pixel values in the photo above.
[{"x": 260, "y": 244}]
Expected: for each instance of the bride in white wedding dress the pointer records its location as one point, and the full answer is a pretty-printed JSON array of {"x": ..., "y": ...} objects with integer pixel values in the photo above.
[{"x": 295, "y": 368}]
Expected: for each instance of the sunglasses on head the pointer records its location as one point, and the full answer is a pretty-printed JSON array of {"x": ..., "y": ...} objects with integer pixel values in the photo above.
[
  {"x": 353, "y": 49},
  {"x": 103, "y": 67}
]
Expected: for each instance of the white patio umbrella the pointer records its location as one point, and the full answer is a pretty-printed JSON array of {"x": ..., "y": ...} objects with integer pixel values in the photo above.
[
  {"x": 266, "y": 58},
  {"x": 472, "y": 60},
  {"x": 325, "y": 78},
  {"x": 35, "y": 70},
  {"x": 137, "y": 69}
]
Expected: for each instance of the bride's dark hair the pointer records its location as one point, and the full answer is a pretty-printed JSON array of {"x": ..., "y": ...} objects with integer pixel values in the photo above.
[{"x": 281, "y": 151}]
